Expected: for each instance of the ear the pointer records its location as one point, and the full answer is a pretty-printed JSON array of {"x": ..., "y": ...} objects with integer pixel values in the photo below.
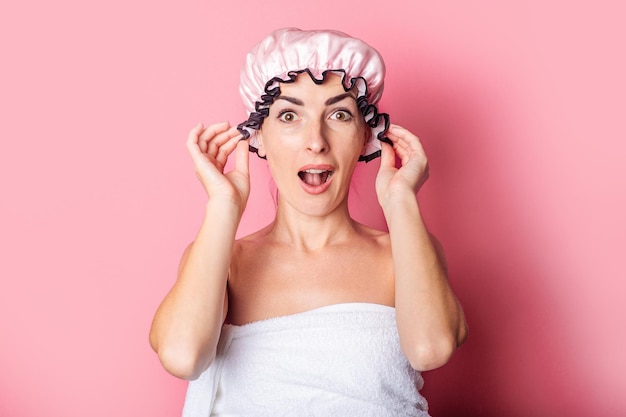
[
  {"x": 261, "y": 148},
  {"x": 366, "y": 136}
]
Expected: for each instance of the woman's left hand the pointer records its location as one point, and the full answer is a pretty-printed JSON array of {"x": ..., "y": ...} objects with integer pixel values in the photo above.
[{"x": 413, "y": 172}]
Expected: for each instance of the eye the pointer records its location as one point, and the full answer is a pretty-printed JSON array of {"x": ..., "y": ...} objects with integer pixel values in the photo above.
[
  {"x": 341, "y": 115},
  {"x": 287, "y": 116}
]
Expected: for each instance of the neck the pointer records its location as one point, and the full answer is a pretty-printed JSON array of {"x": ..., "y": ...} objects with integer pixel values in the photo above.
[{"x": 309, "y": 233}]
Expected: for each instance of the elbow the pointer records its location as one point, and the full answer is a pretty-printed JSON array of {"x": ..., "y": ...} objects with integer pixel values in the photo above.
[
  {"x": 462, "y": 335},
  {"x": 184, "y": 364},
  {"x": 434, "y": 353},
  {"x": 182, "y": 360},
  {"x": 431, "y": 355}
]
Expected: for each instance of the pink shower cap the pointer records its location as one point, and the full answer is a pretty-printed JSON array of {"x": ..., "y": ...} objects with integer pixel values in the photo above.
[{"x": 286, "y": 53}]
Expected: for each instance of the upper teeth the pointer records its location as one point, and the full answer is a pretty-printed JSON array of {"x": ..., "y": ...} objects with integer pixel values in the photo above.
[{"x": 315, "y": 171}]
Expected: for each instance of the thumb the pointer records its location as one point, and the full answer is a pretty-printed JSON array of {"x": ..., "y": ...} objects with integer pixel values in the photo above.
[
  {"x": 387, "y": 156},
  {"x": 242, "y": 157}
]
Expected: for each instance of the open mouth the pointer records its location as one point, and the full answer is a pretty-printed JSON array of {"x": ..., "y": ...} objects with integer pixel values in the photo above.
[{"x": 315, "y": 176}]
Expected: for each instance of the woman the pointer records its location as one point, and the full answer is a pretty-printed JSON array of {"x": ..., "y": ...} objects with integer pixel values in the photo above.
[{"x": 314, "y": 314}]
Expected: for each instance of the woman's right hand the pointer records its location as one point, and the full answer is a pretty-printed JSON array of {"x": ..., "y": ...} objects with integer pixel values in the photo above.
[{"x": 209, "y": 149}]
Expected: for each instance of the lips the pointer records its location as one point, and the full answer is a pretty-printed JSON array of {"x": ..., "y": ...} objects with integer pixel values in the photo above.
[
  {"x": 315, "y": 176},
  {"x": 316, "y": 179}
]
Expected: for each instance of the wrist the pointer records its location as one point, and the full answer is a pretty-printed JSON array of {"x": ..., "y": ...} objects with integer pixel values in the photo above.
[
  {"x": 224, "y": 209},
  {"x": 399, "y": 200}
]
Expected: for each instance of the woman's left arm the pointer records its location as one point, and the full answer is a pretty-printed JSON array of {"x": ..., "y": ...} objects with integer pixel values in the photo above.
[{"x": 430, "y": 320}]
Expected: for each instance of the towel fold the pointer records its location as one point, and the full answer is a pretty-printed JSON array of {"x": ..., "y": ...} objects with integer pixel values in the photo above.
[{"x": 339, "y": 360}]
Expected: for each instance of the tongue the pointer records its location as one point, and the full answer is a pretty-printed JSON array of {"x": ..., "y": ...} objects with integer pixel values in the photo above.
[{"x": 312, "y": 179}]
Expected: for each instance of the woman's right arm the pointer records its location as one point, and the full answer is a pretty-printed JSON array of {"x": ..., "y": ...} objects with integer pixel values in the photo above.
[{"x": 187, "y": 324}]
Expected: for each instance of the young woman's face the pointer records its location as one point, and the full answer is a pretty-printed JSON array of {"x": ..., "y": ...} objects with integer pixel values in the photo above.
[{"x": 312, "y": 139}]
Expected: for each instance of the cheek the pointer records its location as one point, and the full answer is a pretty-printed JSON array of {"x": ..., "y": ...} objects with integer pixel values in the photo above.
[
  {"x": 363, "y": 132},
  {"x": 270, "y": 140},
  {"x": 276, "y": 145}
]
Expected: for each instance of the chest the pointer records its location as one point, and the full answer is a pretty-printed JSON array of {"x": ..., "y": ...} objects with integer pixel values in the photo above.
[{"x": 287, "y": 283}]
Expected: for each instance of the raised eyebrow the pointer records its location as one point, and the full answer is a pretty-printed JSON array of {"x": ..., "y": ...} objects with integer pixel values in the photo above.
[
  {"x": 338, "y": 98},
  {"x": 292, "y": 100}
]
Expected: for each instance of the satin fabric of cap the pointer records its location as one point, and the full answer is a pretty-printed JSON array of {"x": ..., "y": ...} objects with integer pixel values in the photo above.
[
  {"x": 285, "y": 53},
  {"x": 291, "y": 49}
]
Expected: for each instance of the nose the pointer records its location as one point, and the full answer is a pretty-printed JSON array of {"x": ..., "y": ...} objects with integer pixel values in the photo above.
[{"x": 317, "y": 138}]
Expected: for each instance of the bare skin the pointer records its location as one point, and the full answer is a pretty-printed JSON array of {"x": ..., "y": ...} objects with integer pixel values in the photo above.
[
  {"x": 313, "y": 254},
  {"x": 262, "y": 285}
]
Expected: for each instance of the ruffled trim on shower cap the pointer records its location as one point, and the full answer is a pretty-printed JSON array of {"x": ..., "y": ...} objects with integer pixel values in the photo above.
[
  {"x": 378, "y": 122},
  {"x": 287, "y": 53}
]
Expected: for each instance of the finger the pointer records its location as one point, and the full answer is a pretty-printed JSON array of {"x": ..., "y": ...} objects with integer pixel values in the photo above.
[
  {"x": 214, "y": 129},
  {"x": 400, "y": 134},
  {"x": 242, "y": 157},
  {"x": 210, "y": 133},
  {"x": 225, "y": 142},
  {"x": 192, "y": 141},
  {"x": 194, "y": 133},
  {"x": 215, "y": 143},
  {"x": 408, "y": 146},
  {"x": 396, "y": 136},
  {"x": 387, "y": 156},
  {"x": 227, "y": 148},
  {"x": 405, "y": 137},
  {"x": 399, "y": 145}
]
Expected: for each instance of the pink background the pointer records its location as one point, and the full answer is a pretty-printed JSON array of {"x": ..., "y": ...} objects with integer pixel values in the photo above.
[{"x": 520, "y": 105}]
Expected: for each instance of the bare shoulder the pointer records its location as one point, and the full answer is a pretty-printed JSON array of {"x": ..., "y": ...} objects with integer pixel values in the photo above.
[
  {"x": 271, "y": 278},
  {"x": 374, "y": 236},
  {"x": 251, "y": 243},
  {"x": 250, "y": 253}
]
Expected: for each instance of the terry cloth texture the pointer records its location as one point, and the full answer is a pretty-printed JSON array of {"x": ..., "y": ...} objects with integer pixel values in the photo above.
[{"x": 339, "y": 360}]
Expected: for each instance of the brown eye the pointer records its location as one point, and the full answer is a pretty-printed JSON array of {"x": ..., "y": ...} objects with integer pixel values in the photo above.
[
  {"x": 341, "y": 115},
  {"x": 287, "y": 116}
]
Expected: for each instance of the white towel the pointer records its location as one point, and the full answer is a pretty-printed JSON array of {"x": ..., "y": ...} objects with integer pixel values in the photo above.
[{"x": 339, "y": 360}]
